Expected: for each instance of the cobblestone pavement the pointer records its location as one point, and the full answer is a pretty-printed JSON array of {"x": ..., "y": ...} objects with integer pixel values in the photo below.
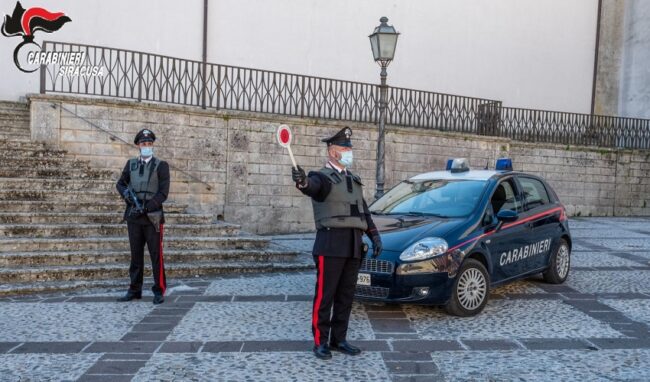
[{"x": 595, "y": 327}]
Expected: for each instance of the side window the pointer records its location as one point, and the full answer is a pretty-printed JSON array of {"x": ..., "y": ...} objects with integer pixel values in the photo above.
[
  {"x": 535, "y": 194},
  {"x": 489, "y": 217},
  {"x": 505, "y": 197}
]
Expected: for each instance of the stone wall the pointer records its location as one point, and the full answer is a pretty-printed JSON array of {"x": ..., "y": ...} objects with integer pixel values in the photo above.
[{"x": 249, "y": 173}]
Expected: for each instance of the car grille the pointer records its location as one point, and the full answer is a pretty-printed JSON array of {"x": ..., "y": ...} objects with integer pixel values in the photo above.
[
  {"x": 376, "y": 266},
  {"x": 370, "y": 291}
]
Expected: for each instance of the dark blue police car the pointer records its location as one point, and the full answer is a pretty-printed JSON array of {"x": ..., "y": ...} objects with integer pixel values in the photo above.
[{"x": 449, "y": 236}]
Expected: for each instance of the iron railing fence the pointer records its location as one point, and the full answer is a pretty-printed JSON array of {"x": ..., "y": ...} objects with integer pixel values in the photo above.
[
  {"x": 446, "y": 112},
  {"x": 573, "y": 128},
  {"x": 157, "y": 78},
  {"x": 152, "y": 77}
]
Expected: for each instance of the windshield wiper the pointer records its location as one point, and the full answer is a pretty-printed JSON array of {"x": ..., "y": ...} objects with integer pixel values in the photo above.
[
  {"x": 378, "y": 213},
  {"x": 418, "y": 213}
]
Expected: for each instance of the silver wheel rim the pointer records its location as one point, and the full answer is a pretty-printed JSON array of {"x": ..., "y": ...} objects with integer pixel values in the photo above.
[
  {"x": 562, "y": 261},
  {"x": 471, "y": 289}
]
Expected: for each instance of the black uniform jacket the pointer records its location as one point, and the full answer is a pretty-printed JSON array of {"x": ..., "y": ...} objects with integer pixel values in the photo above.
[
  {"x": 335, "y": 242},
  {"x": 156, "y": 202}
]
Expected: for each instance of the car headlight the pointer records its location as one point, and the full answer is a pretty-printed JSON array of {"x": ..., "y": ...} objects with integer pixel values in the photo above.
[{"x": 425, "y": 249}]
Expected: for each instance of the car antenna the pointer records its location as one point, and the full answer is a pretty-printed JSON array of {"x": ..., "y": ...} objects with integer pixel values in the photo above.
[{"x": 487, "y": 163}]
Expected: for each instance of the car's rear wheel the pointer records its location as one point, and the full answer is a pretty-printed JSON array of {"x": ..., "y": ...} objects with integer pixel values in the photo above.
[
  {"x": 471, "y": 290},
  {"x": 558, "y": 270}
]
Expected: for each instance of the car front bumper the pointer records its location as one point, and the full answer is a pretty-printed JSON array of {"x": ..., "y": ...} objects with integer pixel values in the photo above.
[{"x": 386, "y": 285}]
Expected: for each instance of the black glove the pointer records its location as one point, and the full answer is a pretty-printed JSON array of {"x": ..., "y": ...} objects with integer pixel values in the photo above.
[
  {"x": 150, "y": 206},
  {"x": 298, "y": 175},
  {"x": 376, "y": 245},
  {"x": 127, "y": 197}
]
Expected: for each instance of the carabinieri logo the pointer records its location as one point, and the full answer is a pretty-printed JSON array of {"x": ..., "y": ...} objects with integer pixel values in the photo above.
[{"x": 25, "y": 23}]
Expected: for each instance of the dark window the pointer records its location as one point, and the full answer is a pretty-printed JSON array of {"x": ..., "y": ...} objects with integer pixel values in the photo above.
[
  {"x": 535, "y": 194},
  {"x": 488, "y": 217},
  {"x": 505, "y": 197}
]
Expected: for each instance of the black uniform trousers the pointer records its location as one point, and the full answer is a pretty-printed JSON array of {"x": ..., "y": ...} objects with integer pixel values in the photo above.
[
  {"x": 336, "y": 280},
  {"x": 139, "y": 235}
]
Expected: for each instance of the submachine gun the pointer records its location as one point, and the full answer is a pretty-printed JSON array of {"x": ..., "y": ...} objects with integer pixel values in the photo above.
[{"x": 136, "y": 210}]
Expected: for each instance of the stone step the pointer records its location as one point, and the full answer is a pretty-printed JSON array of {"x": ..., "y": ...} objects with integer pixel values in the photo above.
[
  {"x": 57, "y": 162},
  {"x": 76, "y": 206},
  {"x": 84, "y": 258},
  {"x": 10, "y": 144},
  {"x": 112, "y": 271},
  {"x": 46, "y": 287},
  {"x": 117, "y": 286},
  {"x": 87, "y": 230},
  {"x": 61, "y": 196},
  {"x": 14, "y": 108},
  {"x": 7, "y": 127},
  {"x": 31, "y": 153},
  {"x": 56, "y": 173},
  {"x": 92, "y": 218},
  {"x": 14, "y": 120},
  {"x": 12, "y": 133},
  {"x": 15, "y": 137},
  {"x": 25, "y": 244},
  {"x": 14, "y": 105},
  {"x": 58, "y": 184}
]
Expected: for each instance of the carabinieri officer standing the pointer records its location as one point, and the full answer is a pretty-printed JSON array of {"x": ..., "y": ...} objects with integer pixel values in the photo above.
[
  {"x": 144, "y": 185},
  {"x": 341, "y": 216}
]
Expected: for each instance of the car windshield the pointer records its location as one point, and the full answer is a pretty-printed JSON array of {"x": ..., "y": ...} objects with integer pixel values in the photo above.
[{"x": 440, "y": 197}]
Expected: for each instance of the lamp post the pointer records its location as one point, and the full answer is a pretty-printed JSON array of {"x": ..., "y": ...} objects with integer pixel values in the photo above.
[{"x": 383, "y": 42}]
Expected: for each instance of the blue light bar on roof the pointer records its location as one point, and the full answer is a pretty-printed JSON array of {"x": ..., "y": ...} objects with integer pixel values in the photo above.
[
  {"x": 459, "y": 165},
  {"x": 449, "y": 162},
  {"x": 504, "y": 164}
]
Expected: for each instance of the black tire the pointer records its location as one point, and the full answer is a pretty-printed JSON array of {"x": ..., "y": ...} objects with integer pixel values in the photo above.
[
  {"x": 560, "y": 264},
  {"x": 471, "y": 290}
]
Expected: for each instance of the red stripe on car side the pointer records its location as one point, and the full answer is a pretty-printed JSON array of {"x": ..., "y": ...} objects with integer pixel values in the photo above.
[{"x": 509, "y": 225}]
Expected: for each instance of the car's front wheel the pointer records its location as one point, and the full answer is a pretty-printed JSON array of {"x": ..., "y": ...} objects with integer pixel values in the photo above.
[
  {"x": 471, "y": 290},
  {"x": 558, "y": 270}
]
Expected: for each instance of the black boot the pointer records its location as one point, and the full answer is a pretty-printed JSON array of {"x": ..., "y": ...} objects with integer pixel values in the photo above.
[
  {"x": 130, "y": 296},
  {"x": 322, "y": 352},
  {"x": 158, "y": 299},
  {"x": 346, "y": 348}
]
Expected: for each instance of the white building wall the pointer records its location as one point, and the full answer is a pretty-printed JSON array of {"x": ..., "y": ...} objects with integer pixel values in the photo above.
[
  {"x": 635, "y": 82},
  {"x": 528, "y": 53}
]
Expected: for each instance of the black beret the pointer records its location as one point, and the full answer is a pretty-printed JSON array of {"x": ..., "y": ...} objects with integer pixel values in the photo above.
[{"x": 342, "y": 138}]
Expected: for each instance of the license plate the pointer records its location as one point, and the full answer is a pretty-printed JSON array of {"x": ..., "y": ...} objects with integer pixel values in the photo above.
[{"x": 363, "y": 279}]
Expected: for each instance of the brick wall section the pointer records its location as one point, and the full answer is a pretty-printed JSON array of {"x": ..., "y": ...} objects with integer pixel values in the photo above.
[{"x": 236, "y": 153}]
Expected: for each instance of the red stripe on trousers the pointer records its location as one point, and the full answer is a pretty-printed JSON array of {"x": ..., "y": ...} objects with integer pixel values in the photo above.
[
  {"x": 161, "y": 271},
  {"x": 319, "y": 299}
]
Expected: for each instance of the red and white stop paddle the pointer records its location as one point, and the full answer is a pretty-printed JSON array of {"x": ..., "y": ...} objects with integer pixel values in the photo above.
[{"x": 284, "y": 139}]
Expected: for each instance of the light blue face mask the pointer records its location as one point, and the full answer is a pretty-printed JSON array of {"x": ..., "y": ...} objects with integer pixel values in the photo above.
[
  {"x": 146, "y": 151},
  {"x": 346, "y": 158}
]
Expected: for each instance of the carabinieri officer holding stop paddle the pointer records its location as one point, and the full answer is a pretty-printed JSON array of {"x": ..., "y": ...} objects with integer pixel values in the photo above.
[{"x": 341, "y": 216}]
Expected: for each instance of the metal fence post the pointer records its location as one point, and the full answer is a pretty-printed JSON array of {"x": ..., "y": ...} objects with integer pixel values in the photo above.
[
  {"x": 140, "y": 75},
  {"x": 302, "y": 97}
]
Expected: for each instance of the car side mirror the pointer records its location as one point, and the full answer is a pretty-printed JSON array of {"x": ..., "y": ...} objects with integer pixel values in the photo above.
[{"x": 505, "y": 216}]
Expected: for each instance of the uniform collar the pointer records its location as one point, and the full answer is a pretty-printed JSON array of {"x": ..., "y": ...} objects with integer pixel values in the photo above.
[
  {"x": 331, "y": 165},
  {"x": 147, "y": 160}
]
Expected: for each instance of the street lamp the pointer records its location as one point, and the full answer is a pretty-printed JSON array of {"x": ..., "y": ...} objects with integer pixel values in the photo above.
[{"x": 383, "y": 42}]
